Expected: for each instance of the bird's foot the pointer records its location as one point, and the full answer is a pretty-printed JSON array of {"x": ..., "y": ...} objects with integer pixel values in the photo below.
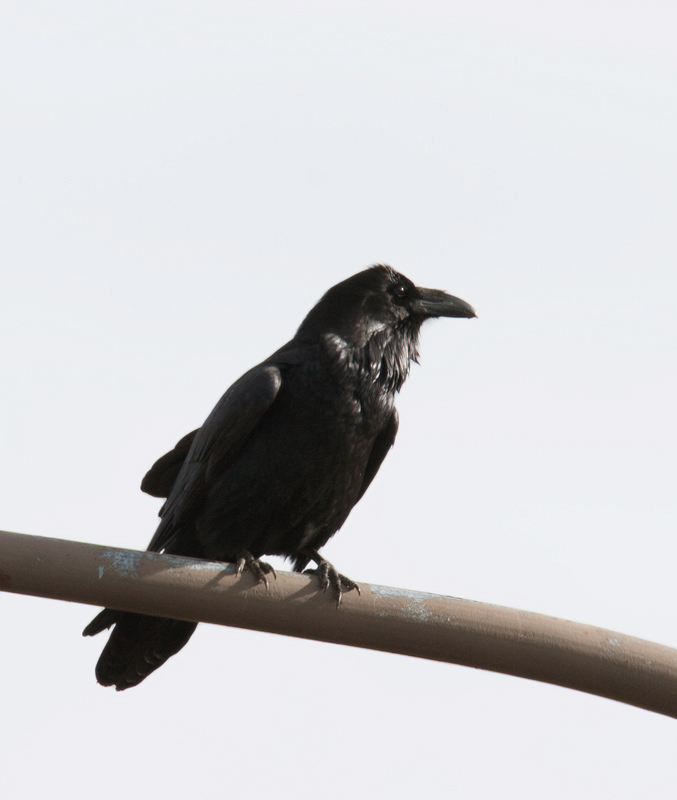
[
  {"x": 330, "y": 576},
  {"x": 261, "y": 569}
]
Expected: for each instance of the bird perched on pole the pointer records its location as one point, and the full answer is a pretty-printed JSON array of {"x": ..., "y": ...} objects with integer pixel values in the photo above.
[{"x": 284, "y": 456}]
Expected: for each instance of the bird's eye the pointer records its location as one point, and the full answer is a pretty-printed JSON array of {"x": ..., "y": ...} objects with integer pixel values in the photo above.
[{"x": 399, "y": 290}]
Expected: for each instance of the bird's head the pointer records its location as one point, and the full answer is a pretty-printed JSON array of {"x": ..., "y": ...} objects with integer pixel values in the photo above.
[
  {"x": 372, "y": 322},
  {"x": 381, "y": 301}
]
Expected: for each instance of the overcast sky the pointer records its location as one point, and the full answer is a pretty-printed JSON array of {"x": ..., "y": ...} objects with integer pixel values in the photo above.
[{"x": 180, "y": 183}]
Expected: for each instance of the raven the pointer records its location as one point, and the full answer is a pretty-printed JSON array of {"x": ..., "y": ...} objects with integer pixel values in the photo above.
[{"x": 284, "y": 456}]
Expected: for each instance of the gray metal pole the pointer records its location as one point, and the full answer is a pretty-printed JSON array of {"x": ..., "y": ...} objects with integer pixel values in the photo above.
[{"x": 412, "y": 623}]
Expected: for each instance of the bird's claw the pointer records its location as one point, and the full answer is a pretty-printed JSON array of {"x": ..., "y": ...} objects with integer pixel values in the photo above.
[
  {"x": 328, "y": 576},
  {"x": 260, "y": 569}
]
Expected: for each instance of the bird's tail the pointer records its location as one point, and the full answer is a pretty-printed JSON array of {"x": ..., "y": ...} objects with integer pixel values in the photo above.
[{"x": 138, "y": 645}]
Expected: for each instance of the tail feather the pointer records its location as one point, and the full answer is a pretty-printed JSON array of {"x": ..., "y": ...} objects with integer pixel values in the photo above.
[
  {"x": 101, "y": 621},
  {"x": 138, "y": 645}
]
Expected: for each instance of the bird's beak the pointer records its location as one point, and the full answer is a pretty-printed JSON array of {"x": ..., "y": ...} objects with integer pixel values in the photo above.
[{"x": 436, "y": 303}]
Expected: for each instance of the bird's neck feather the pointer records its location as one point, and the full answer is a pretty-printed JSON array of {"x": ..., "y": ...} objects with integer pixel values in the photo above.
[{"x": 383, "y": 361}]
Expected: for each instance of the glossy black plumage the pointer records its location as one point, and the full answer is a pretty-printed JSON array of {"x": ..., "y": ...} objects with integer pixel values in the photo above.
[{"x": 286, "y": 453}]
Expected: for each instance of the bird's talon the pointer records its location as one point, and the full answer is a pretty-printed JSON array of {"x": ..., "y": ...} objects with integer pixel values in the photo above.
[
  {"x": 260, "y": 569},
  {"x": 329, "y": 576}
]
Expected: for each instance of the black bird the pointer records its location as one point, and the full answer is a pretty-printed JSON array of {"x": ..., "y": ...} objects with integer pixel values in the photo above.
[{"x": 286, "y": 453}]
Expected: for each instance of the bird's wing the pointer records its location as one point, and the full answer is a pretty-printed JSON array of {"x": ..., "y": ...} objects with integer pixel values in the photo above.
[
  {"x": 159, "y": 479},
  {"x": 216, "y": 445},
  {"x": 383, "y": 442}
]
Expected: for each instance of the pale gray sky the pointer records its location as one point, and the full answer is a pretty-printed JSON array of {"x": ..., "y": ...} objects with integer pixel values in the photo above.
[{"x": 181, "y": 182}]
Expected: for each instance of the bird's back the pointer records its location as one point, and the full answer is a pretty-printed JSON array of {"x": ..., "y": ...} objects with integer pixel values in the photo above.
[{"x": 302, "y": 469}]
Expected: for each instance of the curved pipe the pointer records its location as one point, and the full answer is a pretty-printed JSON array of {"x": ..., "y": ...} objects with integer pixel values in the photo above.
[{"x": 431, "y": 626}]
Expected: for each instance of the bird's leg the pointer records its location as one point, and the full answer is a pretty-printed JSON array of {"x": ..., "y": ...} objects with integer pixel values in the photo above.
[
  {"x": 329, "y": 575},
  {"x": 260, "y": 568}
]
